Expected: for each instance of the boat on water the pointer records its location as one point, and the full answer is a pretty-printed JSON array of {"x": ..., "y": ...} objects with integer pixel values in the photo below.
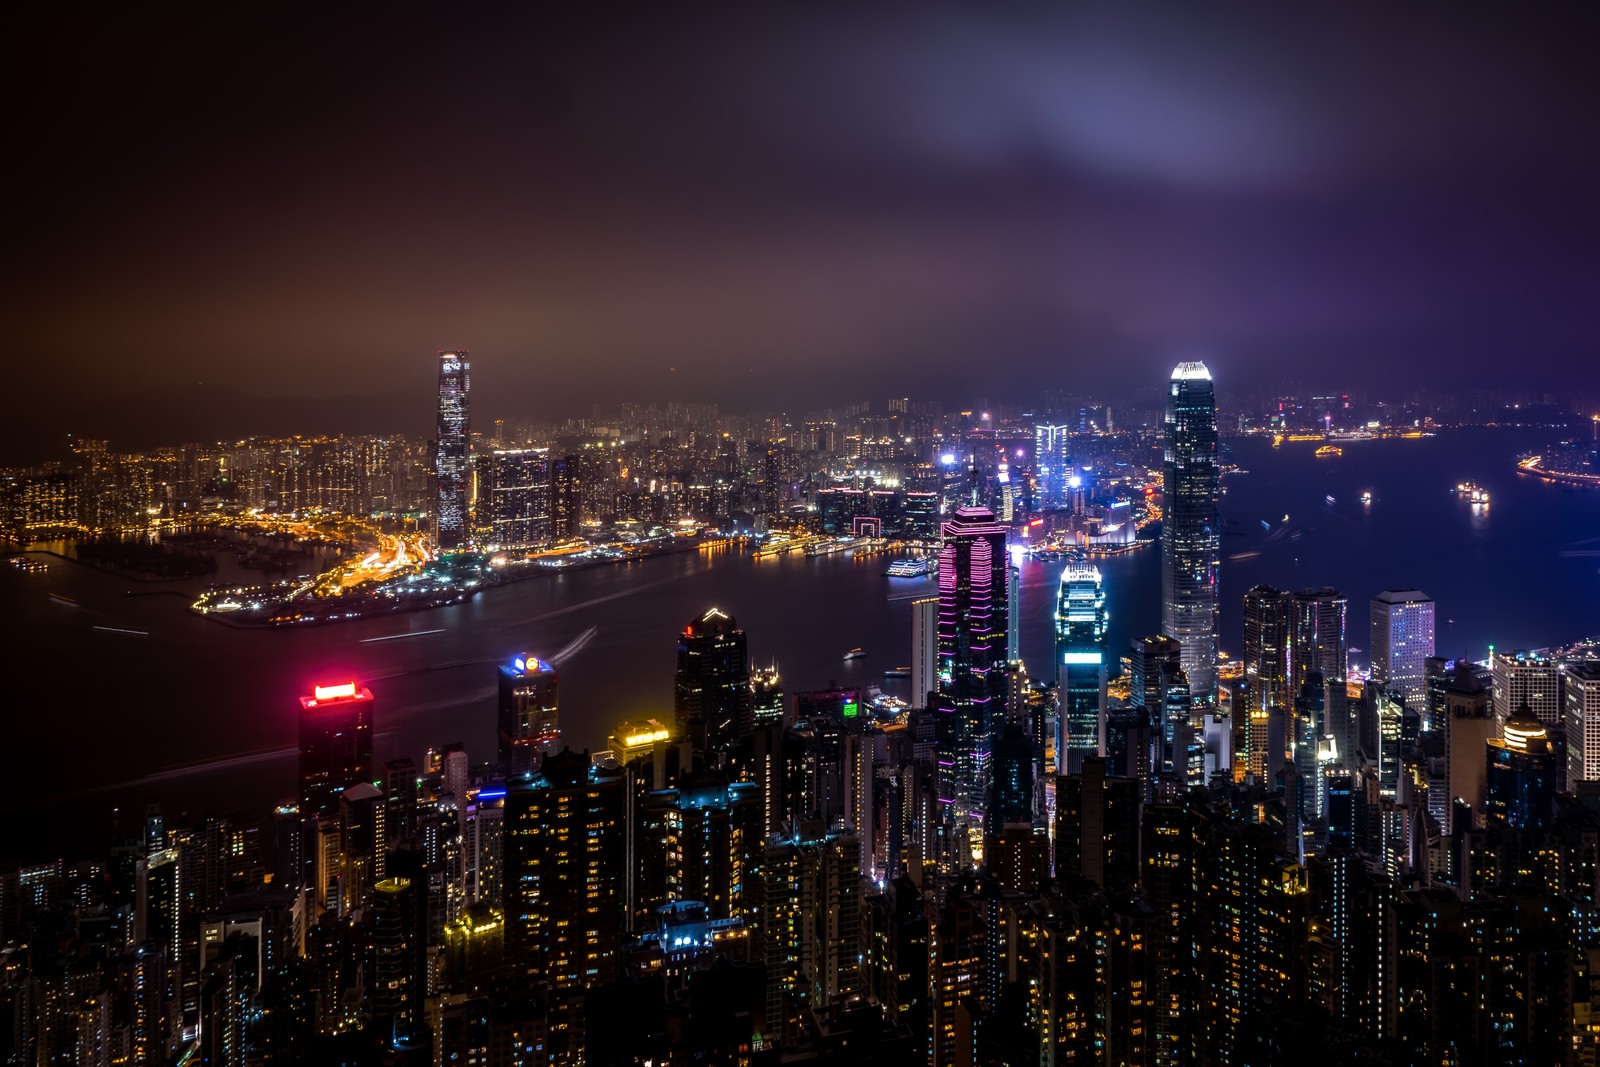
[
  {"x": 854, "y": 653},
  {"x": 897, "y": 672},
  {"x": 1366, "y": 497},
  {"x": 909, "y": 568},
  {"x": 1329, "y": 451},
  {"x": 1473, "y": 491},
  {"x": 29, "y": 565},
  {"x": 824, "y": 548}
]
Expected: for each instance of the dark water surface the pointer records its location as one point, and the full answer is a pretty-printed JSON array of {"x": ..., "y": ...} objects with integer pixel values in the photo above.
[{"x": 203, "y": 717}]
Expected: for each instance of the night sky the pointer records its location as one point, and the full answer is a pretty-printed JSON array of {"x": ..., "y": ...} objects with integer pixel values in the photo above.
[{"x": 780, "y": 205}]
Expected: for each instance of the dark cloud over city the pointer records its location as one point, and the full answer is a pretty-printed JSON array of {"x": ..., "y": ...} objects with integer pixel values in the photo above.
[{"x": 787, "y": 205}]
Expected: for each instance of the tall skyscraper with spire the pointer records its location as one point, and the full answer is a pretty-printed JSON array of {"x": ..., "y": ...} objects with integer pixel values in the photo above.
[
  {"x": 452, "y": 456},
  {"x": 973, "y": 613},
  {"x": 1191, "y": 535}
]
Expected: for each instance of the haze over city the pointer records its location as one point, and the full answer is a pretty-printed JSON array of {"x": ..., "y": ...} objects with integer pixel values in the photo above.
[{"x": 737, "y": 205}]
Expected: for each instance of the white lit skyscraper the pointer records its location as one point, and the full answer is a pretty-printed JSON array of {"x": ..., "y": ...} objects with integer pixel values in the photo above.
[
  {"x": 514, "y": 498},
  {"x": 1401, "y": 641},
  {"x": 1052, "y": 460},
  {"x": 1191, "y": 539},
  {"x": 1081, "y": 665},
  {"x": 1582, "y": 694},
  {"x": 453, "y": 451},
  {"x": 1527, "y": 678}
]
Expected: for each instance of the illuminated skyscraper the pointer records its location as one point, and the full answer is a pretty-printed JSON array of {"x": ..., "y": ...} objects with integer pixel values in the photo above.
[
  {"x": 566, "y": 497},
  {"x": 335, "y": 745},
  {"x": 529, "y": 719},
  {"x": 1080, "y": 665},
  {"x": 1401, "y": 641},
  {"x": 973, "y": 614},
  {"x": 1052, "y": 458},
  {"x": 766, "y": 697},
  {"x": 1013, "y": 613},
  {"x": 1527, "y": 678},
  {"x": 924, "y": 650},
  {"x": 453, "y": 451},
  {"x": 713, "y": 681},
  {"x": 1266, "y": 670},
  {"x": 1190, "y": 531},
  {"x": 1582, "y": 694},
  {"x": 514, "y": 498},
  {"x": 1317, "y": 640},
  {"x": 396, "y": 956},
  {"x": 563, "y": 887},
  {"x": 1522, "y": 774}
]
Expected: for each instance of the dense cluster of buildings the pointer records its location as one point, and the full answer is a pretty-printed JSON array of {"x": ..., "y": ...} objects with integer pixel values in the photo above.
[{"x": 1187, "y": 860}]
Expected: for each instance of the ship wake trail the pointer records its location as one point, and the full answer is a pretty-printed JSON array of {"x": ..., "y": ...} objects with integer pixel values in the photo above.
[
  {"x": 573, "y": 647},
  {"x": 226, "y": 763},
  {"x": 630, "y": 591}
]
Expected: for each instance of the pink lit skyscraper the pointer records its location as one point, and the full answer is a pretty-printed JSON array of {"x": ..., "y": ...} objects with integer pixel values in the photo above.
[{"x": 970, "y": 702}]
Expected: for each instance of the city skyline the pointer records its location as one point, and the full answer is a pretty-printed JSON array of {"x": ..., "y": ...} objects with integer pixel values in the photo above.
[{"x": 579, "y": 537}]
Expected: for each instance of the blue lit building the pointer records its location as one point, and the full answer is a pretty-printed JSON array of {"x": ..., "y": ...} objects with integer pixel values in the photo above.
[
  {"x": 529, "y": 714},
  {"x": 1080, "y": 666}
]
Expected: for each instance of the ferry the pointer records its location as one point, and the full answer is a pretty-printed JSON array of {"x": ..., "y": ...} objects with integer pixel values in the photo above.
[
  {"x": 1366, "y": 497},
  {"x": 1328, "y": 451},
  {"x": 909, "y": 568},
  {"x": 854, "y": 653},
  {"x": 1473, "y": 491},
  {"x": 28, "y": 565},
  {"x": 826, "y": 548},
  {"x": 897, "y": 672}
]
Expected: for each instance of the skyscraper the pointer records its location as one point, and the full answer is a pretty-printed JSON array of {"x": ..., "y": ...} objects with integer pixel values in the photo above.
[
  {"x": 1401, "y": 641},
  {"x": 1522, "y": 773},
  {"x": 1582, "y": 693},
  {"x": 1080, "y": 665},
  {"x": 924, "y": 649},
  {"x": 453, "y": 451},
  {"x": 713, "y": 681},
  {"x": 515, "y": 499},
  {"x": 396, "y": 956},
  {"x": 1317, "y": 639},
  {"x": 1266, "y": 669},
  {"x": 973, "y": 614},
  {"x": 1190, "y": 531},
  {"x": 335, "y": 745},
  {"x": 1052, "y": 461},
  {"x": 566, "y": 497},
  {"x": 1527, "y": 678},
  {"x": 563, "y": 886},
  {"x": 529, "y": 718}
]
